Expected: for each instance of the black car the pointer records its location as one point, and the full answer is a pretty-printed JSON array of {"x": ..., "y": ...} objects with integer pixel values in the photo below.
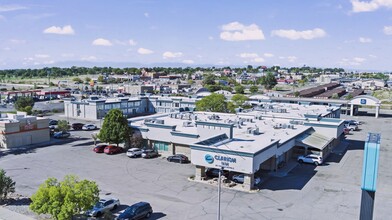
[
  {"x": 77, "y": 126},
  {"x": 136, "y": 211},
  {"x": 61, "y": 134},
  {"x": 53, "y": 122},
  {"x": 178, "y": 158},
  {"x": 149, "y": 153},
  {"x": 212, "y": 172}
]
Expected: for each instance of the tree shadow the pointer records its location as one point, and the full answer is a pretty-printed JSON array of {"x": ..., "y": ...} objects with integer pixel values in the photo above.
[{"x": 32, "y": 148}]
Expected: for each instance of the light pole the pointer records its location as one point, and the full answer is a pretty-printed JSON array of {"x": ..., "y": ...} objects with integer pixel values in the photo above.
[
  {"x": 219, "y": 192},
  {"x": 50, "y": 91}
]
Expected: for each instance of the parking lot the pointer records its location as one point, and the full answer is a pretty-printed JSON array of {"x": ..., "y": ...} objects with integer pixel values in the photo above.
[{"x": 330, "y": 191}]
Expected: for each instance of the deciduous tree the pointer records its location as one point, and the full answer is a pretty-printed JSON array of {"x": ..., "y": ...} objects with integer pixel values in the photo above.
[
  {"x": 212, "y": 103},
  {"x": 7, "y": 185},
  {"x": 62, "y": 200},
  {"x": 115, "y": 128}
]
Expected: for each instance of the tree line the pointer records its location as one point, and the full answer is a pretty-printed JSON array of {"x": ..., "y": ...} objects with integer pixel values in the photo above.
[{"x": 76, "y": 71}]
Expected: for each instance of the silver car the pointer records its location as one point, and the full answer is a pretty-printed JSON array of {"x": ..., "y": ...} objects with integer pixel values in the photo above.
[{"x": 102, "y": 206}]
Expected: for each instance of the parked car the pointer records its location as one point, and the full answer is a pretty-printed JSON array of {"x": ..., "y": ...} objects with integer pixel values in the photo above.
[
  {"x": 77, "y": 126},
  {"x": 353, "y": 121},
  {"x": 240, "y": 179},
  {"x": 100, "y": 148},
  {"x": 311, "y": 158},
  {"x": 352, "y": 126},
  {"x": 102, "y": 206},
  {"x": 346, "y": 130},
  {"x": 178, "y": 158},
  {"x": 134, "y": 152},
  {"x": 149, "y": 153},
  {"x": 139, "y": 210},
  {"x": 111, "y": 149},
  {"x": 53, "y": 122},
  {"x": 88, "y": 127},
  {"x": 61, "y": 134},
  {"x": 213, "y": 172}
]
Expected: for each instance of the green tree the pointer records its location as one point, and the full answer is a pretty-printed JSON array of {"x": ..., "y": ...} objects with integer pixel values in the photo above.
[
  {"x": 239, "y": 99},
  {"x": 349, "y": 96},
  {"x": 77, "y": 79},
  {"x": 335, "y": 96},
  {"x": 212, "y": 103},
  {"x": 254, "y": 89},
  {"x": 269, "y": 81},
  {"x": 115, "y": 128},
  {"x": 239, "y": 89},
  {"x": 87, "y": 79},
  {"x": 62, "y": 200},
  {"x": 209, "y": 79},
  {"x": 296, "y": 93},
  {"x": 7, "y": 185},
  {"x": 63, "y": 125},
  {"x": 24, "y": 104},
  {"x": 101, "y": 79}
]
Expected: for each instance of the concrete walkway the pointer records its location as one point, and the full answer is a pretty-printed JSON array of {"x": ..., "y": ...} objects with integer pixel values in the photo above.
[
  {"x": 6, "y": 214},
  {"x": 290, "y": 165}
]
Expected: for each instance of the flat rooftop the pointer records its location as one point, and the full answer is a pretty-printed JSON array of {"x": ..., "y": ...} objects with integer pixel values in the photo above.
[{"x": 252, "y": 131}]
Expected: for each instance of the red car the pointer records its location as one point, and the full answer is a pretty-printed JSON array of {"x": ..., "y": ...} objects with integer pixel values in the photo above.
[
  {"x": 111, "y": 149},
  {"x": 99, "y": 148}
]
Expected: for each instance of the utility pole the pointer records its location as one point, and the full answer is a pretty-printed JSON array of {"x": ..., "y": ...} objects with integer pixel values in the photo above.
[
  {"x": 50, "y": 90},
  {"x": 219, "y": 193}
]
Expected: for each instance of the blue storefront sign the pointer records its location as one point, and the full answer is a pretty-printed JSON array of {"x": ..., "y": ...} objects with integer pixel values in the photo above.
[
  {"x": 208, "y": 158},
  {"x": 363, "y": 101}
]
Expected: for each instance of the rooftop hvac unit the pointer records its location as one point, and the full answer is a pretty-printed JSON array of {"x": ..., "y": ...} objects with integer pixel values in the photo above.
[
  {"x": 284, "y": 126},
  {"x": 159, "y": 121},
  {"x": 148, "y": 120}
]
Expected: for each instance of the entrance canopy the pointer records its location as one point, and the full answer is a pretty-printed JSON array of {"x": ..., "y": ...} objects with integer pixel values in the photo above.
[
  {"x": 314, "y": 140},
  {"x": 365, "y": 100}
]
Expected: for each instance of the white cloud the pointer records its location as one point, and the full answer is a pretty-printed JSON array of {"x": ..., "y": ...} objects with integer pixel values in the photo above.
[
  {"x": 292, "y": 59},
  {"x": 48, "y": 62},
  {"x": 258, "y": 60},
  {"x": 387, "y": 30},
  {"x": 41, "y": 56},
  {"x": 7, "y": 48},
  {"x": 248, "y": 55},
  {"x": 367, "y": 6},
  {"x": 168, "y": 55},
  {"x": 359, "y": 59},
  {"x": 132, "y": 42},
  {"x": 372, "y": 56},
  {"x": 268, "y": 55},
  {"x": 66, "y": 30},
  {"x": 2, "y": 18},
  {"x": 236, "y": 31},
  {"x": 144, "y": 51},
  {"x": 210, "y": 38},
  {"x": 296, "y": 35},
  {"x": 102, "y": 42},
  {"x": 5, "y": 8},
  {"x": 365, "y": 40},
  {"x": 88, "y": 58},
  {"x": 188, "y": 61},
  {"x": 356, "y": 61},
  {"x": 147, "y": 15}
]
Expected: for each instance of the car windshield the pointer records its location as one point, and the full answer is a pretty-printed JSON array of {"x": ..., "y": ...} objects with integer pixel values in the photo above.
[
  {"x": 131, "y": 210},
  {"x": 98, "y": 205}
]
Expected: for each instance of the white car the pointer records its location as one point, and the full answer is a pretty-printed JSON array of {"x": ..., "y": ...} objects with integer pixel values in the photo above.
[
  {"x": 102, "y": 206},
  {"x": 89, "y": 127},
  {"x": 311, "y": 158},
  {"x": 352, "y": 126},
  {"x": 134, "y": 152},
  {"x": 240, "y": 179}
]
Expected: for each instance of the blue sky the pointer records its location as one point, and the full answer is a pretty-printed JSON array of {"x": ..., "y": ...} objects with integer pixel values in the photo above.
[{"x": 352, "y": 34}]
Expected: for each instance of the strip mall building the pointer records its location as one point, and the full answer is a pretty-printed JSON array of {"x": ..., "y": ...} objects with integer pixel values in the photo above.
[{"x": 246, "y": 142}]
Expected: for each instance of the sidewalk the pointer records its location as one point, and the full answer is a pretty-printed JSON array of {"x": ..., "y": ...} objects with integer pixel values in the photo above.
[{"x": 6, "y": 214}]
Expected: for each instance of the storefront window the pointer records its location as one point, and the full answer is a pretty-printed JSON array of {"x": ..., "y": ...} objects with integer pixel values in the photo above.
[
  {"x": 108, "y": 106},
  {"x": 160, "y": 146}
]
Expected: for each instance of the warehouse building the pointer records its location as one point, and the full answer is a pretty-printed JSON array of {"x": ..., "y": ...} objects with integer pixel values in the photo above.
[
  {"x": 244, "y": 142},
  {"x": 19, "y": 130}
]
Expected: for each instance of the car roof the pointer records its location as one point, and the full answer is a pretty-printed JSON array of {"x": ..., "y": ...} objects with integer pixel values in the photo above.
[
  {"x": 140, "y": 204},
  {"x": 134, "y": 149}
]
